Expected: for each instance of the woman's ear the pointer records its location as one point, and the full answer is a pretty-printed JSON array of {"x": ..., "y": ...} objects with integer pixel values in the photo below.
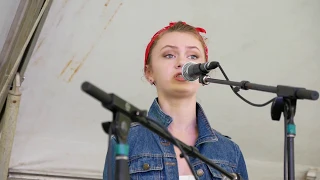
[{"x": 148, "y": 74}]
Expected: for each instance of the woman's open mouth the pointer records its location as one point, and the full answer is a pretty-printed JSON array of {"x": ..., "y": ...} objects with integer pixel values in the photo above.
[{"x": 179, "y": 77}]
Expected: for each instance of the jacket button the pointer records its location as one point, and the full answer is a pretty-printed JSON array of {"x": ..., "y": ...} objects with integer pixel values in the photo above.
[
  {"x": 200, "y": 172},
  {"x": 146, "y": 166}
]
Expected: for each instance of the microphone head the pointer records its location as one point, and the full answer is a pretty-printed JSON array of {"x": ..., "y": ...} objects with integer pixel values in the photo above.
[{"x": 186, "y": 74}]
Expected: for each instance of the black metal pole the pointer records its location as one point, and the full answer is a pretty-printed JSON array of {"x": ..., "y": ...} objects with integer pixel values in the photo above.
[{"x": 289, "y": 113}]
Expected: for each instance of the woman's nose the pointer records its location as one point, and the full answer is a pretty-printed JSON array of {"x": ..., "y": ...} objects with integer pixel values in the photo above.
[{"x": 180, "y": 62}]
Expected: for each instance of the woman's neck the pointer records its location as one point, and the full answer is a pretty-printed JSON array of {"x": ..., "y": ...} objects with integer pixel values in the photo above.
[{"x": 181, "y": 110}]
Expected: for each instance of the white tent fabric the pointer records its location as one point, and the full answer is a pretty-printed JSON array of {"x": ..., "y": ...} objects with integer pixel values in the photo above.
[
  {"x": 268, "y": 42},
  {"x": 8, "y": 10}
]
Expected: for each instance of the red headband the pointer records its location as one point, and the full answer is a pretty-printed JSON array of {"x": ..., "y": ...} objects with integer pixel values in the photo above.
[{"x": 200, "y": 30}]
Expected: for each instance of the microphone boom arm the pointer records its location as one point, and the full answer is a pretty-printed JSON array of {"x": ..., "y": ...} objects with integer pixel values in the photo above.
[
  {"x": 280, "y": 90},
  {"x": 125, "y": 114}
]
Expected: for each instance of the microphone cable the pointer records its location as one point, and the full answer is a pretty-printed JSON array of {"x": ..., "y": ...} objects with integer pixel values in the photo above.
[{"x": 237, "y": 89}]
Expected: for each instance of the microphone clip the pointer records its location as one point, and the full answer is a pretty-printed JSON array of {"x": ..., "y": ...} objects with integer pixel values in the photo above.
[{"x": 203, "y": 79}]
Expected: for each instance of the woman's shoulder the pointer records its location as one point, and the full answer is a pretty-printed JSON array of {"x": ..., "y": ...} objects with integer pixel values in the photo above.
[
  {"x": 225, "y": 139},
  {"x": 221, "y": 135},
  {"x": 138, "y": 134},
  {"x": 227, "y": 148},
  {"x": 136, "y": 127}
]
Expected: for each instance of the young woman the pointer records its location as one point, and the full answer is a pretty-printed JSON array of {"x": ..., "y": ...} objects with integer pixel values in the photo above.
[{"x": 153, "y": 157}]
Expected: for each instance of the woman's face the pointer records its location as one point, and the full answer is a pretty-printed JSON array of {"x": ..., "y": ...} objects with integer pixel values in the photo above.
[{"x": 171, "y": 52}]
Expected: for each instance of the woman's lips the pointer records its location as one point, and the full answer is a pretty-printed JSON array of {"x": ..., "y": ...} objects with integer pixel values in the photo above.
[{"x": 179, "y": 77}]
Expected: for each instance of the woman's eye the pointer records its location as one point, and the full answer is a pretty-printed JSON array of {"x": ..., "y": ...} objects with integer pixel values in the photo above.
[
  {"x": 169, "y": 56},
  {"x": 193, "y": 57}
]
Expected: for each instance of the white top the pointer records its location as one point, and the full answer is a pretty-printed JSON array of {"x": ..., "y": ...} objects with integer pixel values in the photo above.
[{"x": 186, "y": 177}]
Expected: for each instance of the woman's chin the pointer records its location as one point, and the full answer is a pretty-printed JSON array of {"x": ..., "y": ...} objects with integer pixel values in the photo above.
[{"x": 183, "y": 92}]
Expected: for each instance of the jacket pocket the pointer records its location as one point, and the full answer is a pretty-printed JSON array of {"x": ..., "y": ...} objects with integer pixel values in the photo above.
[
  {"x": 146, "y": 167},
  {"x": 224, "y": 165}
]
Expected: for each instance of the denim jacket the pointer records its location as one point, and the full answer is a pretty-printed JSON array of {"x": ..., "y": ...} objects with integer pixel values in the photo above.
[{"x": 153, "y": 157}]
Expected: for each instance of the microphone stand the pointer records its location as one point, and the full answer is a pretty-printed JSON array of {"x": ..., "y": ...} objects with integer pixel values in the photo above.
[
  {"x": 123, "y": 114},
  {"x": 286, "y": 102}
]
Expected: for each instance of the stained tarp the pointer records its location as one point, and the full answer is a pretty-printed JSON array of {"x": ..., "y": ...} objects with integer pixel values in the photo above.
[{"x": 59, "y": 127}]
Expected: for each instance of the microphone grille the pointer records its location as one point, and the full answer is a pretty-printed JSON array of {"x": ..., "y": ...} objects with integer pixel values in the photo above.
[{"x": 185, "y": 73}]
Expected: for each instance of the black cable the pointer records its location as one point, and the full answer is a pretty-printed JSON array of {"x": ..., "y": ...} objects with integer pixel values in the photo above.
[
  {"x": 237, "y": 89},
  {"x": 183, "y": 153}
]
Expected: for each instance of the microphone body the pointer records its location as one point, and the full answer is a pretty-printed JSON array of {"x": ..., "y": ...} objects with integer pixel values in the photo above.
[{"x": 191, "y": 70}]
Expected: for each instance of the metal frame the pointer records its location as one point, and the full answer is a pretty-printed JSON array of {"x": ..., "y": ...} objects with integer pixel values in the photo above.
[{"x": 14, "y": 58}]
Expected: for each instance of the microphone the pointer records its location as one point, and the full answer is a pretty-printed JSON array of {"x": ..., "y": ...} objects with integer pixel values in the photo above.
[{"x": 191, "y": 70}]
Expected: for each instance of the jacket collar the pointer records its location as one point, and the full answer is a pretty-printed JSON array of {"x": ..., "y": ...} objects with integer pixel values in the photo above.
[{"x": 206, "y": 134}]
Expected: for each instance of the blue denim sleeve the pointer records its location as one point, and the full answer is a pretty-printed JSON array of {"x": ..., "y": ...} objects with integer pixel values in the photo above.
[
  {"x": 242, "y": 167},
  {"x": 110, "y": 161}
]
